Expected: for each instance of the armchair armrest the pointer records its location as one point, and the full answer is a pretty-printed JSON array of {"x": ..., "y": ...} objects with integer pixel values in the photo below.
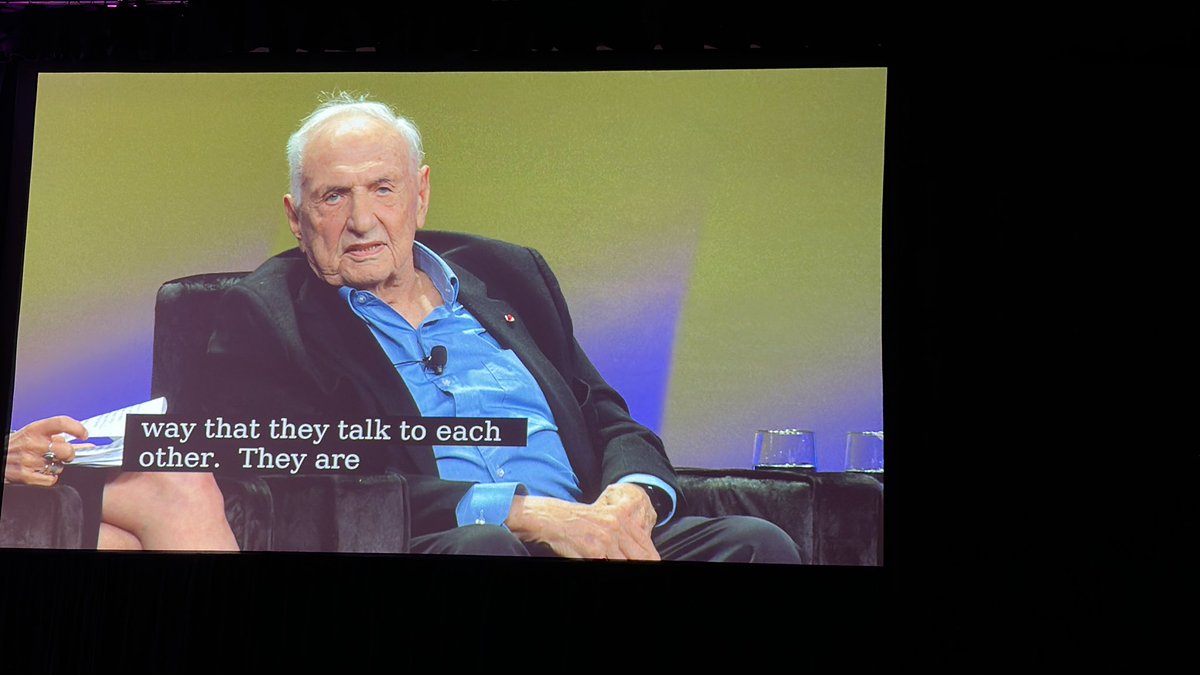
[
  {"x": 39, "y": 517},
  {"x": 835, "y": 518}
]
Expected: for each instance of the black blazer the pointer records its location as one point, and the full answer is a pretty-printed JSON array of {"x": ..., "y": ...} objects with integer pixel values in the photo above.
[{"x": 287, "y": 344}]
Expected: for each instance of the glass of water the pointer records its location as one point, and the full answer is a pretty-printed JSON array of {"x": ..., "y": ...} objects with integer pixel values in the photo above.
[
  {"x": 864, "y": 452},
  {"x": 793, "y": 449}
]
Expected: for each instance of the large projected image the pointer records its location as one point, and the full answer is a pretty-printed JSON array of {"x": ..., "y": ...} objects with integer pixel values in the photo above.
[{"x": 714, "y": 234}]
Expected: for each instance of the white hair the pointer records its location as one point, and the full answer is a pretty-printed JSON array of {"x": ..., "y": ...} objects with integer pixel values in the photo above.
[{"x": 342, "y": 103}]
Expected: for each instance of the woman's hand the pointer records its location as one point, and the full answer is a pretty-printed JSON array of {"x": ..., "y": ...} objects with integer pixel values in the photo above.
[{"x": 37, "y": 452}]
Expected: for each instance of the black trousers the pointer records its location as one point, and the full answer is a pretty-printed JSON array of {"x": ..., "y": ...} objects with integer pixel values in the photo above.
[{"x": 727, "y": 539}]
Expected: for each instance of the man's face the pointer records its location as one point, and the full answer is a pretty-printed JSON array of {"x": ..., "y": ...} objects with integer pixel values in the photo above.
[{"x": 361, "y": 204}]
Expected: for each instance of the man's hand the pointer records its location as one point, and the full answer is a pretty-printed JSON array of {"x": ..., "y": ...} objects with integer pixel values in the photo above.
[
  {"x": 616, "y": 526},
  {"x": 26, "y": 462}
]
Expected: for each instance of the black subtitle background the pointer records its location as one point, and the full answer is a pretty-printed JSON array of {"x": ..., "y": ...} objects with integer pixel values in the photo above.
[
  {"x": 979, "y": 115},
  {"x": 239, "y": 445}
]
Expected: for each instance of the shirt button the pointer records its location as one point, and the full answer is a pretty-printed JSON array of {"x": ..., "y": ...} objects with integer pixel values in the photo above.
[
  {"x": 480, "y": 521},
  {"x": 500, "y": 473},
  {"x": 361, "y": 298},
  {"x": 445, "y": 382}
]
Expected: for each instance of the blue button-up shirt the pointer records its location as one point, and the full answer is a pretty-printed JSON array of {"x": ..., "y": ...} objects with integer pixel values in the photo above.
[{"x": 480, "y": 379}]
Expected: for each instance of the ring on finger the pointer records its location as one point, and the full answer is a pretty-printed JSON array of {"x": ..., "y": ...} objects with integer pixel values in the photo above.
[{"x": 52, "y": 468}]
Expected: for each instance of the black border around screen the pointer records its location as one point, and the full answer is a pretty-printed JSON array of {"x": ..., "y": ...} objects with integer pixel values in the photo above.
[{"x": 262, "y": 586}]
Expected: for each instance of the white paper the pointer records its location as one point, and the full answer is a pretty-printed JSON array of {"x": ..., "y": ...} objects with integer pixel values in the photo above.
[
  {"x": 112, "y": 425},
  {"x": 102, "y": 455}
]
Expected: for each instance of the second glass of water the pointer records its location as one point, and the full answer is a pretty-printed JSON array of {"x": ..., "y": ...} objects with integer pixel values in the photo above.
[
  {"x": 864, "y": 452},
  {"x": 785, "y": 449}
]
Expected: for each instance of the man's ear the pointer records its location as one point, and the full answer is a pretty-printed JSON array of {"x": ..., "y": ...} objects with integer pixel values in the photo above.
[
  {"x": 422, "y": 195},
  {"x": 293, "y": 219}
]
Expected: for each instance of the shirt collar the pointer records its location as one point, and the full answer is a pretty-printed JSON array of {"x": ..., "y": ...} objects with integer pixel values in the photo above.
[{"x": 444, "y": 279}]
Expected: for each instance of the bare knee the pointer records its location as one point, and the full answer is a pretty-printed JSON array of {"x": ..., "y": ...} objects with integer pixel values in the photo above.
[
  {"x": 169, "y": 511},
  {"x": 134, "y": 500},
  {"x": 186, "y": 493}
]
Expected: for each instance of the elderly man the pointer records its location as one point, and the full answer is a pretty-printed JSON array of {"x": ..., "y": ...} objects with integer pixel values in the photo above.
[{"x": 345, "y": 325}]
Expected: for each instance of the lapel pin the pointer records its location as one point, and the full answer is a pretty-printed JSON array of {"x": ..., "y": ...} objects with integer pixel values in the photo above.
[{"x": 510, "y": 318}]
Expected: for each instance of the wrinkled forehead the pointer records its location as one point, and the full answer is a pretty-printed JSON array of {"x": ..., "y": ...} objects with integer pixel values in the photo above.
[
  {"x": 349, "y": 123},
  {"x": 353, "y": 133}
]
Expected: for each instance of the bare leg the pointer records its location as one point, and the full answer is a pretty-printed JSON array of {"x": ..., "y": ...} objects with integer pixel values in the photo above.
[
  {"x": 167, "y": 511},
  {"x": 113, "y": 538}
]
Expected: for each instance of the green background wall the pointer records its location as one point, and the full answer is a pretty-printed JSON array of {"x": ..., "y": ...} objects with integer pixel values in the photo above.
[{"x": 725, "y": 225}]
